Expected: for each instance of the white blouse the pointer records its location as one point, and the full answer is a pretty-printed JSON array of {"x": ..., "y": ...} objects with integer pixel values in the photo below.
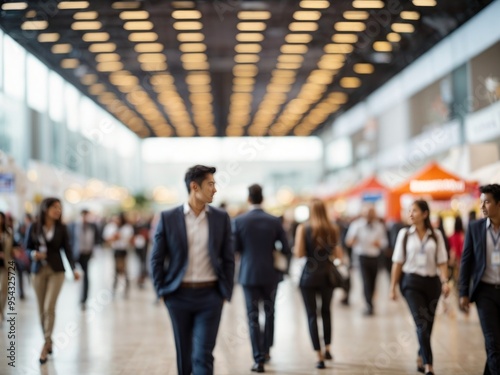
[{"x": 417, "y": 249}]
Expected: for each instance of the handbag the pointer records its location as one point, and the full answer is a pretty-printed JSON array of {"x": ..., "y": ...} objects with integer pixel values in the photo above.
[
  {"x": 339, "y": 276},
  {"x": 280, "y": 261}
]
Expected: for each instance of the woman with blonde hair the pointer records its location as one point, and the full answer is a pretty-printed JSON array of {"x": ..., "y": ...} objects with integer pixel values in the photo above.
[{"x": 318, "y": 241}]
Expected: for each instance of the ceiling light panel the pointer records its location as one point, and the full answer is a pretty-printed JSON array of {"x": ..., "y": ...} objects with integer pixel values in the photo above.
[
  {"x": 48, "y": 37},
  {"x": 134, "y": 15},
  {"x": 73, "y": 5},
  {"x": 14, "y": 6},
  {"x": 85, "y": 16},
  {"x": 254, "y": 15}
]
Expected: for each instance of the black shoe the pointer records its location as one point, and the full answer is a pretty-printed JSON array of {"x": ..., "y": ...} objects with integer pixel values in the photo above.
[
  {"x": 420, "y": 365},
  {"x": 320, "y": 364},
  {"x": 328, "y": 355},
  {"x": 429, "y": 373},
  {"x": 368, "y": 312},
  {"x": 258, "y": 367}
]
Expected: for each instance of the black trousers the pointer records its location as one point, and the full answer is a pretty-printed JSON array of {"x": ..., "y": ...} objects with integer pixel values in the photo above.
[
  {"x": 309, "y": 296},
  {"x": 83, "y": 259},
  {"x": 195, "y": 316},
  {"x": 422, "y": 295},
  {"x": 369, "y": 270},
  {"x": 488, "y": 309},
  {"x": 261, "y": 341}
]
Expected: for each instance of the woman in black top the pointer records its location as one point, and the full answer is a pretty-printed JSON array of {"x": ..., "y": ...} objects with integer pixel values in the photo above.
[
  {"x": 319, "y": 242},
  {"x": 44, "y": 241}
]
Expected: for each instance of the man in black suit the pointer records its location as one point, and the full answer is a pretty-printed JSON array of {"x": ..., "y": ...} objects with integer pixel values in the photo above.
[
  {"x": 480, "y": 273},
  {"x": 256, "y": 233},
  {"x": 192, "y": 264}
]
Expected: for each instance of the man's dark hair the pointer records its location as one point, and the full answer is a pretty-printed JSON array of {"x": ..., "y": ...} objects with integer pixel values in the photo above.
[
  {"x": 197, "y": 174},
  {"x": 493, "y": 189},
  {"x": 255, "y": 194}
]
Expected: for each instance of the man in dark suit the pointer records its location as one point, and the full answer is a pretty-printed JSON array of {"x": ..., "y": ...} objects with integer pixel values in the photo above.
[
  {"x": 84, "y": 236},
  {"x": 480, "y": 273},
  {"x": 256, "y": 233},
  {"x": 192, "y": 264}
]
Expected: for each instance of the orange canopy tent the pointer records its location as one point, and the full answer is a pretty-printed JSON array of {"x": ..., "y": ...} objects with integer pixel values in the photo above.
[
  {"x": 433, "y": 182},
  {"x": 368, "y": 187}
]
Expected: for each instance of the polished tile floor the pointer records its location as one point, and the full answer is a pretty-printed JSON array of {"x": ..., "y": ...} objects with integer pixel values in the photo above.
[{"x": 133, "y": 336}]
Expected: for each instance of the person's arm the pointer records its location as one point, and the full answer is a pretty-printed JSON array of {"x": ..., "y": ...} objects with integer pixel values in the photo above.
[
  {"x": 398, "y": 259},
  {"x": 158, "y": 255},
  {"x": 338, "y": 252},
  {"x": 396, "y": 272},
  {"x": 227, "y": 256},
  {"x": 285, "y": 246},
  {"x": 300, "y": 242},
  {"x": 238, "y": 246},
  {"x": 443, "y": 271},
  {"x": 351, "y": 236},
  {"x": 31, "y": 245},
  {"x": 68, "y": 251},
  {"x": 442, "y": 263},
  {"x": 466, "y": 267}
]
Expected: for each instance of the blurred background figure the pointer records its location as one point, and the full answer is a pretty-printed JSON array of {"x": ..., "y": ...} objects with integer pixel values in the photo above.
[
  {"x": 21, "y": 258},
  {"x": 7, "y": 245},
  {"x": 141, "y": 245},
  {"x": 119, "y": 234},
  {"x": 84, "y": 236},
  {"x": 456, "y": 242}
]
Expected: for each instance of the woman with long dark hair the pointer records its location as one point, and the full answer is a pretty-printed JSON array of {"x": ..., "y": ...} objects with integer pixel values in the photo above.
[
  {"x": 318, "y": 241},
  {"x": 419, "y": 254},
  {"x": 45, "y": 238},
  {"x": 7, "y": 244}
]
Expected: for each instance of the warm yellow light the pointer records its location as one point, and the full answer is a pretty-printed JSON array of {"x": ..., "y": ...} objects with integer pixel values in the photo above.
[
  {"x": 162, "y": 79},
  {"x": 424, "y": 3},
  {"x": 88, "y": 79},
  {"x": 109, "y": 66},
  {"x": 193, "y": 57},
  {"x": 61, "y": 48},
  {"x": 102, "y": 47},
  {"x": 248, "y": 48},
  {"x": 350, "y": 26},
  {"x": 196, "y": 65},
  {"x": 382, "y": 46},
  {"x": 190, "y": 37},
  {"x": 198, "y": 79},
  {"x": 138, "y": 25},
  {"x": 95, "y": 37},
  {"x": 298, "y": 38},
  {"x": 48, "y": 37},
  {"x": 186, "y": 14},
  {"x": 291, "y": 58},
  {"x": 73, "y": 5},
  {"x": 183, "y": 4},
  {"x": 85, "y": 15},
  {"x": 402, "y": 27},
  {"x": 246, "y": 58},
  {"x": 368, "y": 4},
  {"x": 249, "y": 37},
  {"x": 338, "y": 48},
  {"x": 188, "y": 25},
  {"x": 251, "y": 26},
  {"x": 34, "y": 25},
  {"x": 407, "y": 15},
  {"x": 14, "y": 6},
  {"x": 393, "y": 37},
  {"x": 154, "y": 67},
  {"x": 350, "y": 82},
  {"x": 143, "y": 37},
  {"x": 363, "y": 68},
  {"x": 288, "y": 65},
  {"x": 192, "y": 47},
  {"x": 86, "y": 25},
  {"x": 293, "y": 48},
  {"x": 314, "y": 4},
  {"x": 123, "y": 80},
  {"x": 96, "y": 89},
  {"x": 356, "y": 15},
  {"x": 105, "y": 57},
  {"x": 148, "y": 47},
  {"x": 126, "y": 4},
  {"x": 303, "y": 26},
  {"x": 134, "y": 15},
  {"x": 307, "y": 15},
  {"x": 69, "y": 63},
  {"x": 152, "y": 58},
  {"x": 254, "y": 15},
  {"x": 243, "y": 81},
  {"x": 345, "y": 38}
]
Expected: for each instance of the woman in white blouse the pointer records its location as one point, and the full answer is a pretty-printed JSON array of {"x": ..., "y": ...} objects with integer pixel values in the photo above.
[{"x": 418, "y": 256}]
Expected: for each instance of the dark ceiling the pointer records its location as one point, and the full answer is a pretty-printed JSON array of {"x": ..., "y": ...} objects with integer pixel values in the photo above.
[{"x": 229, "y": 67}]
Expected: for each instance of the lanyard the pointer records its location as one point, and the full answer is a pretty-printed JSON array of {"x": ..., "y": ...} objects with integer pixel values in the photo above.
[
  {"x": 422, "y": 247},
  {"x": 495, "y": 239}
]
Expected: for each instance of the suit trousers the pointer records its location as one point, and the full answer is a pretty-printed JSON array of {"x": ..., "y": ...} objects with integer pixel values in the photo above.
[
  {"x": 47, "y": 285},
  {"x": 83, "y": 259},
  {"x": 309, "y": 296},
  {"x": 261, "y": 341},
  {"x": 488, "y": 309},
  {"x": 195, "y": 314},
  {"x": 422, "y": 295},
  {"x": 369, "y": 271}
]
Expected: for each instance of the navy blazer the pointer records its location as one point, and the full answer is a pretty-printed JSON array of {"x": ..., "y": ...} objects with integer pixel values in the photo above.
[
  {"x": 75, "y": 230},
  {"x": 473, "y": 261},
  {"x": 256, "y": 233},
  {"x": 170, "y": 251}
]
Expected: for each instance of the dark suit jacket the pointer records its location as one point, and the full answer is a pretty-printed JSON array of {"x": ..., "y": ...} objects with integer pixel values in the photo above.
[
  {"x": 255, "y": 234},
  {"x": 54, "y": 246},
  {"x": 170, "y": 251},
  {"x": 473, "y": 261}
]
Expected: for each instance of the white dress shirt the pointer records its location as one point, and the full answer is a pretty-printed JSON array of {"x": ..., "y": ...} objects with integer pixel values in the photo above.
[
  {"x": 126, "y": 232},
  {"x": 365, "y": 236},
  {"x": 415, "y": 246},
  {"x": 491, "y": 273},
  {"x": 86, "y": 238},
  {"x": 199, "y": 267}
]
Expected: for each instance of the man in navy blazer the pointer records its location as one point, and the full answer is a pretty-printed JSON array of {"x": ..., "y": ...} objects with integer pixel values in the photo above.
[
  {"x": 192, "y": 265},
  {"x": 256, "y": 233},
  {"x": 480, "y": 273}
]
